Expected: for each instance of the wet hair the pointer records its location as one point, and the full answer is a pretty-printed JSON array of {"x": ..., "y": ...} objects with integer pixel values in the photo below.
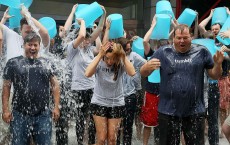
[
  {"x": 23, "y": 21},
  {"x": 217, "y": 24},
  {"x": 32, "y": 36},
  {"x": 117, "y": 51},
  {"x": 208, "y": 34},
  {"x": 123, "y": 41},
  {"x": 180, "y": 27}
]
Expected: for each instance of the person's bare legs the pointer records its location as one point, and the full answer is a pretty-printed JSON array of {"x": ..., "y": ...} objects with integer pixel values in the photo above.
[
  {"x": 146, "y": 134},
  {"x": 226, "y": 131},
  {"x": 113, "y": 127},
  {"x": 223, "y": 116},
  {"x": 138, "y": 126},
  {"x": 101, "y": 129}
]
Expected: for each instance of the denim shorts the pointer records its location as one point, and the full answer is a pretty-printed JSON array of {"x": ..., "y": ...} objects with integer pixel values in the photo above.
[
  {"x": 108, "y": 112},
  {"x": 23, "y": 127}
]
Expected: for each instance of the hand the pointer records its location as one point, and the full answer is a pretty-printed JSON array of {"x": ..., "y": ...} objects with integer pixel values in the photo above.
[
  {"x": 103, "y": 8},
  {"x": 24, "y": 10},
  {"x": 153, "y": 64},
  {"x": 74, "y": 8},
  {"x": 224, "y": 49},
  {"x": 211, "y": 12},
  {"x": 108, "y": 23},
  {"x": 62, "y": 31},
  {"x": 225, "y": 34},
  {"x": 227, "y": 10},
  {"x": 7, "y": 116},
  {"x": 134, "y": 38},
  {"x": 6, "y": 15},
  {"x": 105, "y": 47},
  {"x": 55, "y": 113},
  {"x": 80, "y": 20},
  {"x": 154, "y": 21},
  {"x": 218, "y": 57}
]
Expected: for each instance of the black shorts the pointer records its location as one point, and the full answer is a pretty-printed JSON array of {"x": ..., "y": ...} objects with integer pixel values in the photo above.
[{"x": 108, "y": 112}]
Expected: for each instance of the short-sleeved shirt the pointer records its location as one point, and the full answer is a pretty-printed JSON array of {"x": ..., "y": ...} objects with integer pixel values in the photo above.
[
  {"x": 108, "y": 92},
  {"x": 31, "y": 81},
  {"x": 152, "y": 88},
  {"x": 182, "y": 80},
  {"x": 129, "y": 82},
  {"x": 78, "y": 60}
]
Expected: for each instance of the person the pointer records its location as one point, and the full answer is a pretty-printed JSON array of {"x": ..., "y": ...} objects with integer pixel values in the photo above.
[
  {"x": 108, "y": 103},
  {"x": 80, "y": 54},
  {"x": 14, "y": 41},
  {"x": 130, "y": 92},
  {"x": 32, "y": 77},
  {"x": 181, "y": 105}
]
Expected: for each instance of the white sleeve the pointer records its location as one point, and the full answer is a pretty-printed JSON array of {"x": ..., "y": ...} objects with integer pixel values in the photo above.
[{"x": 71, "y": 52}]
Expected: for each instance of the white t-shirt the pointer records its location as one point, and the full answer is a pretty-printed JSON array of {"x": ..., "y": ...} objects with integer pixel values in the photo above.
[
  {"x": 108, "y": 92},
  {"x": 79, "y": 59}
]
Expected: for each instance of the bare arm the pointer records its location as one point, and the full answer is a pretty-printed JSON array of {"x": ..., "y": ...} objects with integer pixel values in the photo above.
[
  {"x": 98, "y": 46},
  {"x": 81, "y": 35},
  {"x": 56, "y": 94},
  {"x": 129, "y": 68},
  {"x": 216, "y": 71},
  {"x": 91, "y": 69},
  {"x": 148, "y": 35},
  {"x": 69, "y": 20},
  {"x": 6, "y": 115},
  {"x": 100, "y": 26},
  {"x": 6, "y": 16},
  {"x": 196, "y": 28},
  {"x": 204, "y": 23},
  {"x": 106, "y": 34}
]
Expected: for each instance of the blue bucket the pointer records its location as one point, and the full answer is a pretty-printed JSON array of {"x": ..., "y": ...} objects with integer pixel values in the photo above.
[
  {"x": 219, "y": 15},
  {"x": 116, "y": 27},
  {"x": 138, "y": 46},
  {"x": 79, "y": 8},
  {"x": 11, "y": 3},
  {"x": 187, "y": 17},
  {"x": 162, "y": 28},
  {"x": 14, "y": 22},
  {"x": 208, "y": 43},
  {"x": 164, "y": 7},
  {"x": 155, "y": 76},
  {"x": 225, "y": 27},
  {"x": 50, "y": 24},
  {"x": 90, "y": 13}
]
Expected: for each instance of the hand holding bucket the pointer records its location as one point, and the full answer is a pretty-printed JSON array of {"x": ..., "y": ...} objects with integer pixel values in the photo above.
[
  {"x": 76, "y": 9},
  {"x": 225, "y": 27},
  {"x": 187, "y": 17},
  {"x": 219, "y": 15}
]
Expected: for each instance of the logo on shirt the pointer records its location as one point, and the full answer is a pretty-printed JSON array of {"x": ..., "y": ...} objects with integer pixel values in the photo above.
[{"x": 183, "y": 61}]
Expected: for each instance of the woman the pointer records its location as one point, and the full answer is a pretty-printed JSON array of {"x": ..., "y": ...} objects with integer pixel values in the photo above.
[{"x": 107, "y": 103}]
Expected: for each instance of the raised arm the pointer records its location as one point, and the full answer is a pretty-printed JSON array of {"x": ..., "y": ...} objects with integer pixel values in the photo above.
[
  {"x": 148, "y": 35},
  {"x": 204, "y": 23},
  {"x": 129, "y": 68},
  {"x": 6, "y": 16},
  {"x": 69, "y": 20},
  {"x": 100, "y": 26},
  {"x": 42, "y": 30},
  {"x": 106, "y": 34},
  {"x": 81, "y": 35},
  {"x": 196, "y": 29}
]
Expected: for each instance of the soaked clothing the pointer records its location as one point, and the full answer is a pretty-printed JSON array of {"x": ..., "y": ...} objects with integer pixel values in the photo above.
[
  {"x": 31, "y": 82},
  {"x": 108, "y": 112},
  {"x": 79, "y": 59},
  {"x": 182, "y": 80},
  {"x": 108, "y": 92}
]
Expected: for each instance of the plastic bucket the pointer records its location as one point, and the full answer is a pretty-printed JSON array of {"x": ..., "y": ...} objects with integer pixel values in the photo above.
[
  {"x": 208, "y": 43},
  {"x": 187, "y": 17},
  {"x": 50, "y": 24},
  {"x": 155, "y": 76},
  {"x": 11, "y": 3},
  {"x": 79, "y": 8},
  {"x": 162, "y": 28},
  {"x": 138, "y": 46},
  {"x": 225, "y": 27},
  {"x": 14, "y": 22},
  {"x": 164, "y": 7},
  {"x": 116, "y": 27},
  {"x": 219, "y": 15},
  {"x": 90, "y": 13}
]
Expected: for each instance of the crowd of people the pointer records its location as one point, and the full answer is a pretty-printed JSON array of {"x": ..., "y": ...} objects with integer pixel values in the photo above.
[{"x": 109, "y": 84}]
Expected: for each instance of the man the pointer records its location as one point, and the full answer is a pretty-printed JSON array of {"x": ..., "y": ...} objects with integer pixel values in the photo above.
[
  {"x": 32, "y": 77},
  {"x": 181, "y": 106}
]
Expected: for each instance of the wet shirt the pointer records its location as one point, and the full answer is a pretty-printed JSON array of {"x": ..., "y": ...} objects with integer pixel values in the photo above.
[
  {"x": 152, "y": 88},
  {"x": 79, "y": 59},
  {"x": 108, "y": 92},
  {"x": 130, "y": 83},
  {"x": 182, "y": 80},
  {"x": 31, "y": 82}
]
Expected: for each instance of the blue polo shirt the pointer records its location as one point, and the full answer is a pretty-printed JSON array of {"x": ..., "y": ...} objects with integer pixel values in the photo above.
[{"x": 182, "y": 80}]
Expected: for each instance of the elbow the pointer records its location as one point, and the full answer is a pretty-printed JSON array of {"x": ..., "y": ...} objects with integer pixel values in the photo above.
[{"x": 87, "y": 74}]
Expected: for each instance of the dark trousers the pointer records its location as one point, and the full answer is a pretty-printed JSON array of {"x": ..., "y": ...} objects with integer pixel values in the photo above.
[
  {"x": 127, "y": 122},
  {"x": 171, "y": 128},
  {"x": 213, "y": 114}
]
